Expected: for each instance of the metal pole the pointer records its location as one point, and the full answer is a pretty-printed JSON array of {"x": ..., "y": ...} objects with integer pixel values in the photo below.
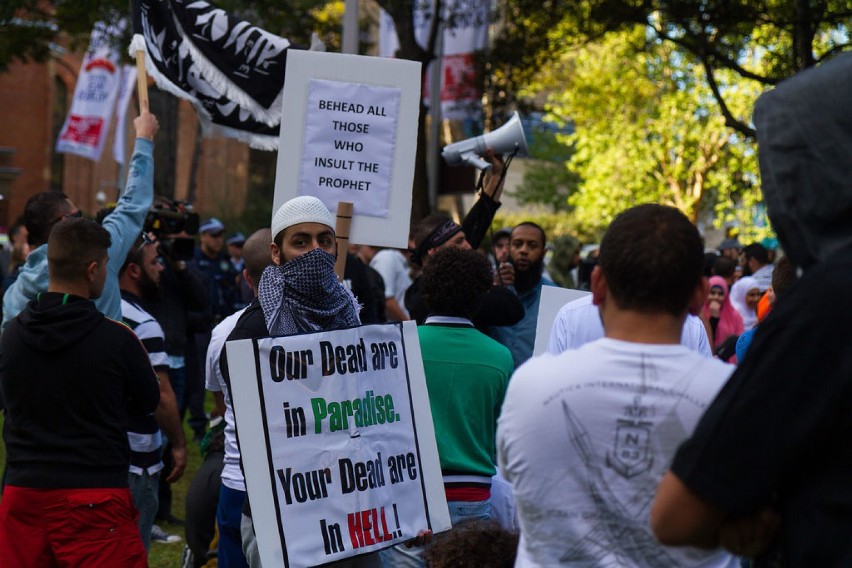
[
  {"x": 434, "y": 154},
  {"x": 350, "y": 27}
]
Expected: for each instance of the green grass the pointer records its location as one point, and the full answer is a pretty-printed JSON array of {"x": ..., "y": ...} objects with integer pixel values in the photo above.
[{"x": 166, "y": 555}]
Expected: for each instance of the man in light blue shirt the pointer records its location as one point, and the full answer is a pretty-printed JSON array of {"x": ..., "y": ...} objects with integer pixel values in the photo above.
[{"x": 124, "y": 224}]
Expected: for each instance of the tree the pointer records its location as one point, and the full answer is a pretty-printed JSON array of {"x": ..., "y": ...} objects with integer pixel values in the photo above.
[
  {"x": 646, "y": 130},
  {"x": 764, "y": 41}
]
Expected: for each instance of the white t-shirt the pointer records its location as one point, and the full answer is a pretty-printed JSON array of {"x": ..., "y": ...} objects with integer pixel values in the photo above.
[
  {"x": 232, "y": 475},
  {"x": 585, "y": 437},
  {"x": 393, "y": 267},
  {"x": 579, "y": 322}
]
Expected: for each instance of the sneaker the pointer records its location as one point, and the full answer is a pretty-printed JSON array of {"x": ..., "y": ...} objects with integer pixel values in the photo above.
[{"x": 159, "y": 535}]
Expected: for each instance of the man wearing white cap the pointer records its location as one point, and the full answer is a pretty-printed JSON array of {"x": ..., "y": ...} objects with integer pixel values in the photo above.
[{"x": 299, "y": 293}]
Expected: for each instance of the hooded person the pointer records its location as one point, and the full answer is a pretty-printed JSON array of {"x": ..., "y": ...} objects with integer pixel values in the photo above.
[{"x": 764, "y": 472}]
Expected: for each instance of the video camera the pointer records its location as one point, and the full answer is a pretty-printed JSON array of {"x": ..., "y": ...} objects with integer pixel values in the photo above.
[{"x": 167, "y": 218}]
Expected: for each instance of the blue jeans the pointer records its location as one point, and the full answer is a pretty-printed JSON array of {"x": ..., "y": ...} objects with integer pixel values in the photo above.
[
  {"x": 401, "y": 557},
  {"x": 228, "y": 515},
  {"x": 143, "y": 489}
]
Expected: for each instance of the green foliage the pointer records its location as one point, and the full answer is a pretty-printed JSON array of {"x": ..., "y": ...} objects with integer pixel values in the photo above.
[
  {"x": 647, "y": 130},
  {"x": 549, "y": 182}
]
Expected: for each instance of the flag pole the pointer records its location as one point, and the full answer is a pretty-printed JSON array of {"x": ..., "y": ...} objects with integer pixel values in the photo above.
[
  {"x": 343, "y": 224},
  {"x": 141, "y": 81}
]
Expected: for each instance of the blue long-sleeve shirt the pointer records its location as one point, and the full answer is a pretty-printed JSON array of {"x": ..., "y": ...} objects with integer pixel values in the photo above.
[{"x": 124, "y": 225}]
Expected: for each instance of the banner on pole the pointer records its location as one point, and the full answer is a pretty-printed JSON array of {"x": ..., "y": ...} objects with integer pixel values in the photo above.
[
  {"x": 87, "y": 125},
  {"x": 465, "y": 33},
  {"x": 337, "y": 442},
  {"x": 128, "y": 81}
]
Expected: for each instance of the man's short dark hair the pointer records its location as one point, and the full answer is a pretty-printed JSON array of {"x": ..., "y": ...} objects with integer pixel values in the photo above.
[
  {"x": 256, "y": 253},
  {"x": 534, "y": 226},
  {"x": 758, "y": 252},
  {"x": 724, "y": 266},
  {"x": 73, "y": 244},
  {"x": 783, "y": 276},
  {"x": 454, "y": 281},
  {"x": 653, "y": 258},
  {"x": 42, "y": 211}
]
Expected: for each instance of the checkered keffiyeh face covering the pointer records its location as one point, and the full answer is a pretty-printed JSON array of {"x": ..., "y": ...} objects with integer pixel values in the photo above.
[{"x": 303, "y": 295}]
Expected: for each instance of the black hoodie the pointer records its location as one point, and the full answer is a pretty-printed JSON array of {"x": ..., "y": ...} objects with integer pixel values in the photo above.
[{"x": 69, "y": 379}]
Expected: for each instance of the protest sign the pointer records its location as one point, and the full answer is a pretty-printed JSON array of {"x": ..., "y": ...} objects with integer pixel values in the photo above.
[
  {"x": 552, "y": 299},
  {"x": 349, "y": 133},
  {"x": 337, "y": 442}
]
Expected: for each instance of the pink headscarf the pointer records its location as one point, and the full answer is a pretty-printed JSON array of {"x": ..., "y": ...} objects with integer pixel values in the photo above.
[{"x": 730, "y": 321}]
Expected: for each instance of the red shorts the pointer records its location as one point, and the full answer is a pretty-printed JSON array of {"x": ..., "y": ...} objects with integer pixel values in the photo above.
[{"x": 69, "y": 527}]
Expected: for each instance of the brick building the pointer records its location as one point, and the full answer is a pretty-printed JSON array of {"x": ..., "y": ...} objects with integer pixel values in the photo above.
[{"x": 34, "y": 100}]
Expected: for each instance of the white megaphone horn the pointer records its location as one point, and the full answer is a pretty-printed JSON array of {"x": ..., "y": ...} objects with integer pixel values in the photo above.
[{"x": 507, "y": 139}]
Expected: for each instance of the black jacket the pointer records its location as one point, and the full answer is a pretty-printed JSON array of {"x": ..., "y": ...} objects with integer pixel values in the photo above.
[{"x": 69, "y": 379}]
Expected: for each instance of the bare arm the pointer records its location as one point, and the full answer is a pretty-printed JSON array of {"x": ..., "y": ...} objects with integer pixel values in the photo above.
[
  {"x": 168, "y": 419},
  {"x": 392, "y": 310},
  {"x": 680, "y": 517},
  {"x": 219, "y": 399}
]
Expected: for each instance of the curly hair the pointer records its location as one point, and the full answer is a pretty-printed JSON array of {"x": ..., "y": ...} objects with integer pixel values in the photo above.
[
  {"x": 454, "y": 281},
  {"x": 472, "y": 543}
]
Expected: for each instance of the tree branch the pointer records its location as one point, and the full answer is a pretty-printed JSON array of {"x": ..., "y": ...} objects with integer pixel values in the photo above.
[{"x": 730, "y": 120}]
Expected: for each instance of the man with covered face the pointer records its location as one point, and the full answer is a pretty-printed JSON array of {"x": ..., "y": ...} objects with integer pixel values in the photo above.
[{"x": 298, "y": 293}]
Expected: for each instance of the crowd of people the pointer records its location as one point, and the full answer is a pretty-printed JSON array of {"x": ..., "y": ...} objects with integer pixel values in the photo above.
[{"x": 691, "y": 410}]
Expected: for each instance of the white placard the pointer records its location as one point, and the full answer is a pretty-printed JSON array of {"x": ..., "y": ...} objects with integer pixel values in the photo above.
[
  {"x": 322, "y": 150},
  {"x": 350, "y": 137},
  {"x": 337, "y": 442},
  {"x": 552, "y": 299}
]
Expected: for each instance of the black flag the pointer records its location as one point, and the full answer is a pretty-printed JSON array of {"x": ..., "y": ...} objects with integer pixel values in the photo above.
[{"x": 231, "y": 71}]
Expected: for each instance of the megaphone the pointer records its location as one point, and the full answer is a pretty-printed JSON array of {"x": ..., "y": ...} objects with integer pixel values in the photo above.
[{"x": 507, "y": 139}]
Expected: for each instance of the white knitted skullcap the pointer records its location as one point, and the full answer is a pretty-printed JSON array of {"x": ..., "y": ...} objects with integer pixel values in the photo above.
[{"x": 302, "y": 209}]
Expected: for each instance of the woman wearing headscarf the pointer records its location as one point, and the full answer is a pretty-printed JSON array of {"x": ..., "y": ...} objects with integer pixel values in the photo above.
[
  {"x": 745, "y": 294},
  {"x": 724, "y": 321}
]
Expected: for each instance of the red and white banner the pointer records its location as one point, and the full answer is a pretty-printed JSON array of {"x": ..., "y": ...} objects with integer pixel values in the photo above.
[
  {"x": 87, "y": 125},
  {"x": 467, "y": 34}
]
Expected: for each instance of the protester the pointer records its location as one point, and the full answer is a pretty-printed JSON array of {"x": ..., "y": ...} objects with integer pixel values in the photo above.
[
  {"x": 730, "y": 248},
  {"x": 472, "y": 544},
  {"x": 724, "y": 322},
  {"x": 579, "y": 322},
  {"x": 392, "y": 266},
  {"x": 564, "y": 261},
  {"x": 232, "y": 493},
  {"x": 755, "y": 261},
  {"x": 783, "y": 277},
  {"x": 466, "y": 376},
  {"x": 437, "y": 232},
  {"x": 585, "y": 436},
  {"x": 745, "y": 294},
  {"x": 766, "y": 472},
  {"x": 44, "y": 210},
  {"x": 526, "y": 251},
  {"x": 70, "y": 379},
  {"x": 17, "y": 254},
  {"x": 430, "y": 234},
  {"x": 366, "y": 283},
  {"x": 299, "y": 294},
  {"x": 202, "y": 501},
  {"x": 139, "y": 278}
]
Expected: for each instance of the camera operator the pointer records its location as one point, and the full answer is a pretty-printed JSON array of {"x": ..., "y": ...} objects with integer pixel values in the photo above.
[{"x": 181, "y": 292}]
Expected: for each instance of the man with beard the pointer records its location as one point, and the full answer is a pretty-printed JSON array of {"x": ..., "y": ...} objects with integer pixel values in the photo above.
[
  {"x": 139, "y": 279},
  {"x": 526, "y": 252}
]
